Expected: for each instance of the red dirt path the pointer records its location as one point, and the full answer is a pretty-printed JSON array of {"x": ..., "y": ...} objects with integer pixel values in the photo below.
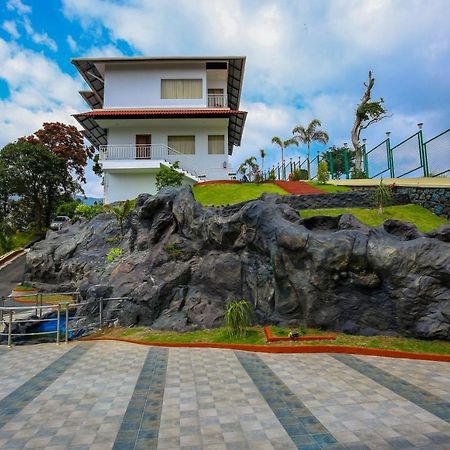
[{"x": 297, "y": 187}]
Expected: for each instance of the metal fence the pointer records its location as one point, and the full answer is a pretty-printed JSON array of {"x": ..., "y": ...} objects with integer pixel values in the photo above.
[{"x": 61, "y": 324}]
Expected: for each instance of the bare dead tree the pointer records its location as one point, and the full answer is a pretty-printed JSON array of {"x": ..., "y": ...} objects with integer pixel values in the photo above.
[{"x": 367, "y": 113}]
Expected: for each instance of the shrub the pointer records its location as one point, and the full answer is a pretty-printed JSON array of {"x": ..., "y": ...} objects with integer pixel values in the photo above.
[
  {"x": 114, "y": 253},
  {"x": 173, "y": 251},
  {"x": 358, "y": 174},
  {"x": 322, "y": 173},
  {"x": 88, "y": 211},
  {"x": 238, "y": 316},
  {"x": 299, "y": 174},
  {"x": 169, "y": 176},
  {"x": 121, "y": 212},
  {"x": 382, "y": 196},
  {"x": 272, "y": 175},
  {"x": 68, "y": 208}
]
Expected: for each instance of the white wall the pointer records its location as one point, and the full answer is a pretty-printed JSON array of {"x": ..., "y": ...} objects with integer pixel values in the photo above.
[
  {"x": 124, "y": 132},
  {"x": 127, "y": 185},
  {"x": 139, "y": 85}
]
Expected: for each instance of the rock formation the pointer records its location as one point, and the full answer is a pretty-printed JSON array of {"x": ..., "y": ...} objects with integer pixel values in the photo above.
[{"x": 182, "y": 263}]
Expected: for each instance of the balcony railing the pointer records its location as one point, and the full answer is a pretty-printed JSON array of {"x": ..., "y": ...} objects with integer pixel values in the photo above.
[
  {"x": 216, "y": 101},
  {"x": 151, "y": 151}
]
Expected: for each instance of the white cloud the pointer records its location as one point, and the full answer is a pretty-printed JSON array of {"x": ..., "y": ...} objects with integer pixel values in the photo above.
[
  {"x": 18, "y": 6},
  {"x": 72, "y": 43},
  {"x": 39, "y": 38},
  {"x": 11, "y": 27}
]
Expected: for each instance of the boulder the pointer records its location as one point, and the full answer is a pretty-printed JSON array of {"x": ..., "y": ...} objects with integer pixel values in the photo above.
[{"x": 183, "y": 262}]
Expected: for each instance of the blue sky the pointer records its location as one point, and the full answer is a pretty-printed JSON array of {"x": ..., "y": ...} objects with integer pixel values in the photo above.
[{"x": 305, "y": 59}]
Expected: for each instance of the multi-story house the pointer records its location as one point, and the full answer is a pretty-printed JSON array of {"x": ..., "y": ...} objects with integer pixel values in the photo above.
[{"x": 149, "y": 112}]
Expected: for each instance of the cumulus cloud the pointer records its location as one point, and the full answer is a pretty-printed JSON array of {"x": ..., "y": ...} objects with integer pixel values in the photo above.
[
  {"x": 39, "y": 38},
  {"x": 72, "y": 43},
  {"x": 18, "y": 6},
  {"x": 10, "y": 27}
]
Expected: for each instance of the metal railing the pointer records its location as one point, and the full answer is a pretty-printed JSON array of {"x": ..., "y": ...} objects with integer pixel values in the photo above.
[
  {"x": 216, "y": 101},
  {"x": 62, "y": 309},
  {"x": 159, "y": 152},
  {"x": 433, "y": 149}
]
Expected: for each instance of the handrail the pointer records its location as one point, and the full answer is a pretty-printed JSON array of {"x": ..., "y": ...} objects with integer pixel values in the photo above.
[{"x": 10, "y": 310}]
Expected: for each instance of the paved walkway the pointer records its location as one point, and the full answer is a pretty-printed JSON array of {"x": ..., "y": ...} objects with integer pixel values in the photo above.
[{"x": 115, "y": 395}]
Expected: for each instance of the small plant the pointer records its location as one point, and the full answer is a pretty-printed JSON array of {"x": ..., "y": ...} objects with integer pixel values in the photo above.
[
  {"x": 358, "y": 174},
  {"x": 173, "y": 251},
  {"x": 272, "y": 175},
  {"x": 299, "y": 174},
  {"x": 121, "y": 212},
  {"x": 24, "y": 287},
  {"x": 382, "y": 196},
  {"x": 114, "y": 253},
  {"x": 88, "y": 211},
  {"x": 322, "y": 173},
  {"x": 169, "y": 176},
  {"x": 112, "y": 240},
  {"x": 238, "y": 317}
]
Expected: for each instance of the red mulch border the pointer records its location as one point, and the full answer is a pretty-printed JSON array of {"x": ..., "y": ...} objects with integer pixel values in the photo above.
[{"x": 204, "y": 183}]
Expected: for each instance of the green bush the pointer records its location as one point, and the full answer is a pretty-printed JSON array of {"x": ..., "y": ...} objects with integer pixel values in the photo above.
[
  {"x": 68, "y": 208},
  {"x": 272, "y": 175},
  {"x": 173, "y": 251},
  {"x": 322, "y": 173},
  {"x": 88, "y": 211},
  {"x": 238, "y": 317},
  {"x": 169, "y": 176},
  {"x": 358, "y": 174},
  {"x": 114, "y": 253},
  {"x": 299, "y": 174}
]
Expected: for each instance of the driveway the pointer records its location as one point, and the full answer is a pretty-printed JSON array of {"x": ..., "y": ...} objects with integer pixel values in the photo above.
[
  {"x": 10, "y": 275},
  {"x": 106, "y": 395}
]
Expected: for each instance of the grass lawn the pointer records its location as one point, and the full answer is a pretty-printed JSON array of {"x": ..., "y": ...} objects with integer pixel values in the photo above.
[
  {"x": 256, "y": 336},
  {"x": 328, "y": 187},
  {"x": 47, "y": 299},
  {"x": 424, "y": 219},
  {"x": 229, "y": 194}
]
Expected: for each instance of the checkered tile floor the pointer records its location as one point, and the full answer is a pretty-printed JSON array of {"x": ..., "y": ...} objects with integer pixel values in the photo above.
[{"x": 115, "y": 395}]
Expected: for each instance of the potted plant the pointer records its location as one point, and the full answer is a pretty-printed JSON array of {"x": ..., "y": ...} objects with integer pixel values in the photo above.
[{"x": 22, "y": 291}]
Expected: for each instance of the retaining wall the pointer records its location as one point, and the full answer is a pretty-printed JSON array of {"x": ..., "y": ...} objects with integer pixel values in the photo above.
[{"x": 436, "y": 200}]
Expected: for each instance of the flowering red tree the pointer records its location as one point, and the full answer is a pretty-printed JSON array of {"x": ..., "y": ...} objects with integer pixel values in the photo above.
[{"x": 66, "y": 142}]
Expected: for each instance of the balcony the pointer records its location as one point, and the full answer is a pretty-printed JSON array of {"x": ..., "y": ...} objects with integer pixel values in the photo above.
[
  {"x": 144, "y": 156},
  {"x": 216, "y": 101}
]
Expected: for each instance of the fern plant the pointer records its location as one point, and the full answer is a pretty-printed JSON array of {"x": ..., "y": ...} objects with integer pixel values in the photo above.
[
  {"x": 238, "y": 317},
  {"x": 382, "y": 196}
]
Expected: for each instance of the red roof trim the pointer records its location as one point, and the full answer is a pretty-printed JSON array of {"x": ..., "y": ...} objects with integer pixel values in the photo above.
[{"x": 159, "y": 112}]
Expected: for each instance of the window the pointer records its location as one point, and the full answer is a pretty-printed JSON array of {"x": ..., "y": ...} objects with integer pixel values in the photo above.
[
  {"x": 182, "y": 144},
  {"x": 216, "y": 145},
  {"x": 174, "y": 89}
]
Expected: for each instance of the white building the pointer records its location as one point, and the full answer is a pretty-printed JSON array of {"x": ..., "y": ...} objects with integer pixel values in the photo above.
[{"x": 148, "y": 112}]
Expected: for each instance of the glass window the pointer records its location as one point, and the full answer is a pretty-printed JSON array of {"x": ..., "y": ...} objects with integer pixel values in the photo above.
[
  {"x": 173, "y": 89},
  {"x": 182, "y": 144},
  {"x": 216, "y": 145}
]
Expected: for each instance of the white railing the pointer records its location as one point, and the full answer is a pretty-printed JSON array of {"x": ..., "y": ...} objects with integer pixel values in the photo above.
[
  {"x": 159, "y": 152},
  {"x": 216, "y": 101}
]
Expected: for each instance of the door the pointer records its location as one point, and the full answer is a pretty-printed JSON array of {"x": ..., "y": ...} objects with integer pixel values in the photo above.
[{"x": 143, "y": 146}]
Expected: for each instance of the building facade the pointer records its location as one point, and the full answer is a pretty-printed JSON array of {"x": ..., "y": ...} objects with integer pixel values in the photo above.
[{"x": 149, "y": 112}]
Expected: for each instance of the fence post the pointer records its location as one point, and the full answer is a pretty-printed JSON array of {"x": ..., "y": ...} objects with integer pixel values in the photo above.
[
  {"x": 100, "y": 319},
  {"x": 10, "y": 328},
  {"x": 331, "y": 163},
  {"x": 40, "y": 302},
  {"x": 58, "y": 323},
  {"x": 423, "y": 151},
  {"x": 390, "y": 155},
  {"x": 365, "y": 160},
  {"x": 2, "y": 303},
  {"x": 278, "y": 171},
  {"x": 66, "y": 335},
  {"x": 346, "y": 162}
]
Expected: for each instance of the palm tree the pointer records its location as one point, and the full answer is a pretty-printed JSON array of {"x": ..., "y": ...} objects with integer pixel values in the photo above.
[
  {"x": 308, "y": 135},
  {"x": 262, "y": 152},
  {"x": 283, "y": 144},
  {"x": 121, "y": 212},
  {"x": 249, "y": 168}
]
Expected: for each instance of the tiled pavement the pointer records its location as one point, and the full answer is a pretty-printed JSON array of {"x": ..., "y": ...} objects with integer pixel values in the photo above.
[{"x": 115, "y": 395}]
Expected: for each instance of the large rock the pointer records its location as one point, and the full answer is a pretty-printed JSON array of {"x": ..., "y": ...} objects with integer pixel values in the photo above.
[{"x": 182, "y": 263}]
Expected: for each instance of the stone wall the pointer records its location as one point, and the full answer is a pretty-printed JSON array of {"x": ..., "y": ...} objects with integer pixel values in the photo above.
[
  {"x": 353, "y": 199},
  {"x": 436, "y": 200}
]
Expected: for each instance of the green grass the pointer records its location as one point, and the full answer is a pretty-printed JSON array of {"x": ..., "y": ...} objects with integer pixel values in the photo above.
[
  {"x": 328, "y": 187},
  {"x": 229, "y": 194},
  {"x": 19, "y": 240},
  {"x": 256, "y": 336},
  {"x": 421, "y": 217}
]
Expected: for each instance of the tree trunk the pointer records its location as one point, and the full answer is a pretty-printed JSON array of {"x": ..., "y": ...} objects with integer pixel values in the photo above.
[{"x": 309, "y": 163}]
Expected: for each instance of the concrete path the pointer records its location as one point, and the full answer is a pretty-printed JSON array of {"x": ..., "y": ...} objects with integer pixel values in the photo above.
[
  {"x": 107, "y": 395},
  {"x": 10, "y": 275}
]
